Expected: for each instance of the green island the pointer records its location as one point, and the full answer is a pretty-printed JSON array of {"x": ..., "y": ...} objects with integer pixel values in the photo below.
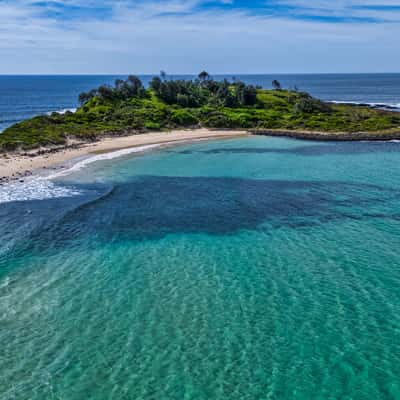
[{"x": 129, "y": 108}]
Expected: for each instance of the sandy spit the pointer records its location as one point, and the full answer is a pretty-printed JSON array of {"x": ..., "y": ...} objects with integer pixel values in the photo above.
[{"x": 18, "y": 166}]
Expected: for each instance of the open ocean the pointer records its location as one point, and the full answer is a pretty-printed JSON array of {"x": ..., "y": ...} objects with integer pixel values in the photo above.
[
  {"x": 23, "y": 97},
  {"x": 241, "y": 269}
]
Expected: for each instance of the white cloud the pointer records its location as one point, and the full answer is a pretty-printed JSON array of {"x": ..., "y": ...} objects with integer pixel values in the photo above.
[{"x": 144, "y": 37}]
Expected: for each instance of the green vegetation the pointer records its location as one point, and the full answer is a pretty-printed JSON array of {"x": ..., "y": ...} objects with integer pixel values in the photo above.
[{"x": 129, "y": 107}]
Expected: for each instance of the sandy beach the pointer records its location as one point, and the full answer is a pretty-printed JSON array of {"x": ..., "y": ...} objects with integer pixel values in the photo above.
[{"x": 17, "y": 166}]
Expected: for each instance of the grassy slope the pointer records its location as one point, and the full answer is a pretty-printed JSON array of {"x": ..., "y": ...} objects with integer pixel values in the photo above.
[{"x": 276, "y": 110}]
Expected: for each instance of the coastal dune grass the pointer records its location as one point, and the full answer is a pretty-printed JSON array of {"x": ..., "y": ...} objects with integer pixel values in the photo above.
[{"x": 130, "y": 108}]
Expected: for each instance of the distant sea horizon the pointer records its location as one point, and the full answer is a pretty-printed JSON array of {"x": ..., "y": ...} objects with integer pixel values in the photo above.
[{"x": 25, "y": 96}]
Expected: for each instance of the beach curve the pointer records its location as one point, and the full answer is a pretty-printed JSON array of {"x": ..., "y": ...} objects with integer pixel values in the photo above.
[{"x": 18, "y": 166}]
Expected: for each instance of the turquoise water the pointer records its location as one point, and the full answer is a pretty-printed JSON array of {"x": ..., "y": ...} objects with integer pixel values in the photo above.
[{"x": 255, "y": 268}]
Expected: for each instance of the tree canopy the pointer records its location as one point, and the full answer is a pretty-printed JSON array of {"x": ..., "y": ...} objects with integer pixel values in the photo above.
[
  {"x": 203, "y": 91},
  {"x": 185, "y": 93},
  {"x": 276, "y": 85},
  {"x": 122, "y": 90}
]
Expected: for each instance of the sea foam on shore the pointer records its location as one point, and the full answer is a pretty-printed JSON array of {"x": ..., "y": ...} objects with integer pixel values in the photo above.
[
  {"x": 380, "y": 106},
  {"x": 43, "y": 186}
]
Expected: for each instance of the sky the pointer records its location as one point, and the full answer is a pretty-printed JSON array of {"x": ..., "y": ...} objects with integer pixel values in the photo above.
[{"x": 186, "y": 36}]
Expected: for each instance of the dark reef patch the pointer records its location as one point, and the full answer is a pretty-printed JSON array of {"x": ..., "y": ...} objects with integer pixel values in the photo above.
[{"x": 150, "y": 207}]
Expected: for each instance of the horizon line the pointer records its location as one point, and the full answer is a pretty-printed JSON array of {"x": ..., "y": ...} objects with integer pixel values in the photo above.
[{"x": 195, "y": 74}]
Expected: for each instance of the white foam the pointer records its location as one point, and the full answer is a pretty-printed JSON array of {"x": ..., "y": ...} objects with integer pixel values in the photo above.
[
  {"x": 43, "y": 187},
  {"x": 63, "y": 111},
  {"x": 115, "y": 154},
  {"x": 381, "y": 105},
  {"x": 102, "y": 157},
  {"x": 34, "y": 188}
]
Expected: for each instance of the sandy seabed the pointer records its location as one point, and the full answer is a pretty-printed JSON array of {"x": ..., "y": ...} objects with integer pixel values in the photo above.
[{"x": 17, "y": 166}]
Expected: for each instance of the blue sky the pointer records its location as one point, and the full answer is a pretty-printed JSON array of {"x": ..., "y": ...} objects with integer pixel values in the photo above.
[{"x": 185, "y": 36}]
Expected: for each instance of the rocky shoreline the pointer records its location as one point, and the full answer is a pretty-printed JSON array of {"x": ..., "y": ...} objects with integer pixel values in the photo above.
[{"x": 330, "y": 136}]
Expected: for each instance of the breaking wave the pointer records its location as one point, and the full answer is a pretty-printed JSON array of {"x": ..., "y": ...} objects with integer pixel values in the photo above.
[
  {"x": 381, "y": 106},
  {"x": 44, "y": 187}
]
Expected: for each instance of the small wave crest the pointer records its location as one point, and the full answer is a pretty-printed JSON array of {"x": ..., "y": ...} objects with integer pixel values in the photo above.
[
  {"x": 77, "y": 166},
  {"x": 63, "y": 111},
  {"x": 34, "y": 188},
  {"x": 383, "y": 106}
]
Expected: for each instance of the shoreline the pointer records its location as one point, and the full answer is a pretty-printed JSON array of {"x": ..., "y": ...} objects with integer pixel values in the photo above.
[
  {"x": 320, "y": 136},
  {"x": 17, "y": 166}
]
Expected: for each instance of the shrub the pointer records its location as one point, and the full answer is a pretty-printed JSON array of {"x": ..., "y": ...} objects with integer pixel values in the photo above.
[
  {"x": 307, "y": 104},
  {"x": 218, "y": 120},
  {"x": 184, "y": 118},
  {"x": 243, "y": 120},
  {"x": 182, "y": 100},
  {"x": 154, "y": 126}
]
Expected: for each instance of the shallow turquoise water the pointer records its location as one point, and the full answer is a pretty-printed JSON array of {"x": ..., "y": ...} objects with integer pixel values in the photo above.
[{"x": 252, "y": 268}]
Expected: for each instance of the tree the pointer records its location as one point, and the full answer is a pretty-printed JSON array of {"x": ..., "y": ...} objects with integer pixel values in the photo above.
[
  {"x": 168, "y": 93},
  {"x": 204, "y": 76},
  {"x": 119, "y": 83},
  {"x": 135, "y": 83},
  {"x": 84, "y": 98},
  {"x": 225, "y": 96},
  {"x": 156, "y": 84},
  {"x": 276, "y": 85},
  {"x": 182, "y": 100},
  {"x": 249, "y": 96},
  {"x": 307, "y": 104},
  {"x": 106, "y": 92},
  {"x": 163, "y": 75},
  {"x": 202, "y": 91},
  {"x": 223, "y": 91}
]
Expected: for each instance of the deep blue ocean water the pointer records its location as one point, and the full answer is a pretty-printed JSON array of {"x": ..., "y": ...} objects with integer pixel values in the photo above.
[
  {"x": 22, "y": 97},
  {"x": 242, "y": 269}
]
